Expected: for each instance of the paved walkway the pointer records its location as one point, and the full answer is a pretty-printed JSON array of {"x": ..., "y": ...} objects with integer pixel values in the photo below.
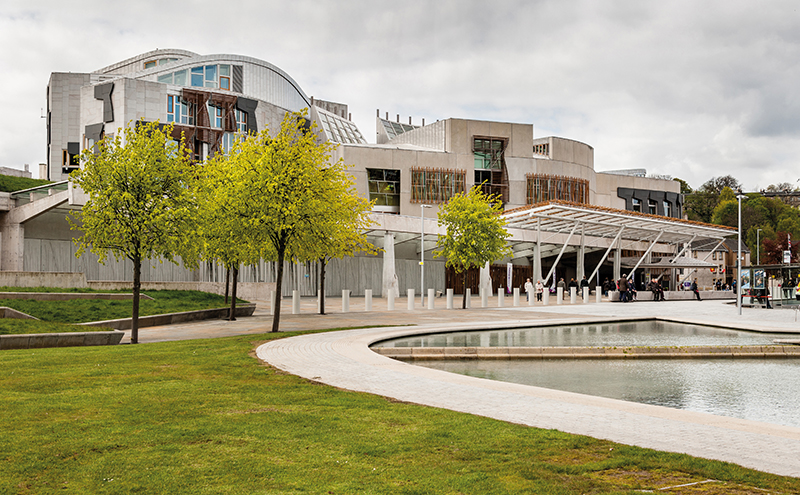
[{"x": 343, "y": 359}]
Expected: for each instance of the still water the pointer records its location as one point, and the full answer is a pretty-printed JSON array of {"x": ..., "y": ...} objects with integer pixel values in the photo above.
[
  {"x": 620, "y": 334},
  {"x": 765, "y": 390}
]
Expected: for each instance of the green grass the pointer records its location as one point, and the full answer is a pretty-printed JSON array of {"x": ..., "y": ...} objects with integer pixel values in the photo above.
[
  {"x": 10, "y": 183},
  {"x": 204, "y": 417},
  {"x": 13, "y": 326},
  {"x": 80, "y": 311}
]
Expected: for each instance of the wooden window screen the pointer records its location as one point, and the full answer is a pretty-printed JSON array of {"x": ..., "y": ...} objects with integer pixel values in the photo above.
[
  {"x": 542, "y": 188},
  {"x": 430, "y": 185}
]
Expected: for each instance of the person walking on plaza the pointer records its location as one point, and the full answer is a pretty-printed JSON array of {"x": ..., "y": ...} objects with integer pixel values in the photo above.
[
  {"x": 528, "y": 289},
  {"x": 622, "y": 285},
  {"x": 585, "y": 283},
  {"x": 539, "y": 290},
  {"x": 694, "y": 289},
  {"x": 561, "y": 285}
]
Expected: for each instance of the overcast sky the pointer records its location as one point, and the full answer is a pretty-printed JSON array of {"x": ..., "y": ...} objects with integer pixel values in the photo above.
[{"x": 689, "y": 89}]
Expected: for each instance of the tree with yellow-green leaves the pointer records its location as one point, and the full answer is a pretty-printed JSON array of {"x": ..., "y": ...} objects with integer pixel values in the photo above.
[
  {"x": 141, "y": 205},
  {"x": 475, "y": 234},
  {"x": 281, "y": 196}
]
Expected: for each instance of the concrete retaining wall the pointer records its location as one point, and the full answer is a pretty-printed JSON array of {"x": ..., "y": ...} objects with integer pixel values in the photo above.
[
  {"x": 172, "y": 318},
  {"x": 69, "y": 296},
  {"x": 462, "y": 353},
  {"x": 43, "y": 279},
  {"x": 250, "y": 291},
  {"x": 67, "y": 339}
]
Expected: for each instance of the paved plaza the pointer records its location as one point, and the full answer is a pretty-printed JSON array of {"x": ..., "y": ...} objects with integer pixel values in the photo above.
[{"x": 343, "y": 359}]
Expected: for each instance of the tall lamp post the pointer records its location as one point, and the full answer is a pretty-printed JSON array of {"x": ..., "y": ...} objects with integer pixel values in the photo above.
[
  {"x": 758, "y": 246},
  {"x": 739, "y": 196},
  {"x": 422, "y": 254}
]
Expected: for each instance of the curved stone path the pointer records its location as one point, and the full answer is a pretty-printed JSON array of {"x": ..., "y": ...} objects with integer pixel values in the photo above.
[{"x": 343, "y": 359}]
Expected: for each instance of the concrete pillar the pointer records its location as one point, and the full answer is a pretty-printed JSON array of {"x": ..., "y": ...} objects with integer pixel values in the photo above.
[
  {"x": 390, "y": 301},
  {"x": 532, "y": 297},
  {"x": 546, "y": 296},
  {"x": 345, "y": 301},
  {"x": 368, "y": 300},
  {"x": 585, "y": 295},
  {"x": 390, "y": 283},
  {"x": 617, "y": 263},
  {"x": 598, "y": 296},
  {"x": 516, "y": 296},
  {"x": 12, "y": 247},
  {"x": 295, "y": 302},
  {"x": 573, "y": 295},
  {"x": 469, "y": 298},
  {"x": 431, "y": 298},
  {"x": 500, "y": 297},
  {"x": 484, "y": 298},
  {"x": 559, "y": 295},
  {"x": 411, "y": 299},
  {"x": 449, "y": 298},
  {"x": 272, "y": 302}
]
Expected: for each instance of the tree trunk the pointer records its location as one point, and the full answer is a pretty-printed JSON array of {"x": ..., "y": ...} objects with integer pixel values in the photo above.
[
  {"x": 232, "y": 312},
  {"x": 276, "y": 313},
  {"x": 137, "y": 286},
  {"x": 464, "y": 298},
  {"x": 227, "y": 283},
  {"x": 322, "y": 262}
]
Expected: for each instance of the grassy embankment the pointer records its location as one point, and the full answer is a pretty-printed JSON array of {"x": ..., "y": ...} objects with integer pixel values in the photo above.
[
  {"x": 203, "y": 416},
  {"x": 53, "y": 313}
]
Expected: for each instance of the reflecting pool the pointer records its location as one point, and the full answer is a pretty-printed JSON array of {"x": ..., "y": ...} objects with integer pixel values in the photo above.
[
  {"x": 620, "y": 334},
  {"x": 765, "y": 390}
]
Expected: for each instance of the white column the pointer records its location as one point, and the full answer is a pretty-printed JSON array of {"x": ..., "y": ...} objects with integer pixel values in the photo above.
[
  {"x": 469, "y": 298},
  {"x": 390, "y": 300},
  {"x": 389, "y": 275},
  {"x": 345, "y": 301},
  {"x": 449, "y": 298},
  {"x": 431, "y": 297},
  {"x": 516, "y": 296},
  {"x": 573, "y": 295},
  {"x": 368, "y": 300},
  {"x": 271, "y": 302},
  {"x": 546, "y": 296},
  {"x": 484, "y": 297},
  {"x": 598, "y": 296},
  {"x": 559, "y": 295},
  {"x": 295, "y": 302},
  {"x": 410, "y": 299},
  {"x": 500, "y": 297},
  {"x": 585, "y": 295}
]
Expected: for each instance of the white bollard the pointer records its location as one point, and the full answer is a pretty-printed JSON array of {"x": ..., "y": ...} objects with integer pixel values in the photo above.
[
  {"x": 390, "y": 300},
  {"x": 598, "y": 296},
  {"x": 484, "y": 298},
  {"x": 411, "y": 299},
  {"x": 585, "y": 295},
  {"x": 573, "y": 295},
  {"x": 295, "y": 302},
  {"x": 500, "y": 297},
  {"x": 516, "y": 296},
  {"x": 431, "y": 298},
  {"x": 449, "y": 298},
  {"x": 531, "y": 298},
  {"x": 469, "y": 298},
  {"x": 367, "y": 299},
  {"x": 345, "y": 301},
  {"x": 546, "y": 296},
  {"x": 272, "y": 302},
  {"x": 559, "y": 295}
]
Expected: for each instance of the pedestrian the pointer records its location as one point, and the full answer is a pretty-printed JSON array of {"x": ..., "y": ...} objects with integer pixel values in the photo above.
[
  {"x": 622, "y": 286},
  {"x": 561, "y": 285},
  {"x": 539, "y": 290},
  {"x": 694, "y": 289},
  {"x": 528, "y": 289},
  {"x": 573, "y": 284},
  {"x": 585, "y": 283},
  {"x": 606, "y": 287}
]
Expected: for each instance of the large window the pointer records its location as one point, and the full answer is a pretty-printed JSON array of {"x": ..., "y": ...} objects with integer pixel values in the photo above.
[
  {"x": 436, "y": 185},
  {"x": 490, "y": 167},
  {"x": 179, "y": 111},
  {"x": 241, "y": 121},
  {"x": 384, "y": 189},
  {"x": 543, "y": 188},
  {"x": 215, "y": 116},
  {"x": 205, "y": 76}
]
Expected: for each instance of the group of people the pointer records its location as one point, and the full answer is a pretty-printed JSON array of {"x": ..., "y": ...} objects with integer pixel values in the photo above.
[{"x": 539, "y": 287}]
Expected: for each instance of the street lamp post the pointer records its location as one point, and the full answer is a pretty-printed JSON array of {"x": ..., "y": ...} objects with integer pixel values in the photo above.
[
  {"x": 739, "y": 196},
  {"x": 758, "y": 246},
  {"x": 422, "y": 255}
]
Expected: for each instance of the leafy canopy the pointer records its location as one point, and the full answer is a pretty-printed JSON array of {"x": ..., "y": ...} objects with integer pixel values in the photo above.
[
  {"x": 140, "y": 196},
  {"x": 476, "y": 232}
]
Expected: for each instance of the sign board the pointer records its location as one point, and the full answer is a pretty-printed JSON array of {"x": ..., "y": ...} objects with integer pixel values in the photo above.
[{"x": 787, "y": 256}]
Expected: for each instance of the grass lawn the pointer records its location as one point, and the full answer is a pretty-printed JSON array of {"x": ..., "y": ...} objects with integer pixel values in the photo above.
[
  {"x": 10, "y": 183},
  {"x": 84, "y": 310},
  {"x": 204, "y": 416},
  {"x": 13, "y": 326}
]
